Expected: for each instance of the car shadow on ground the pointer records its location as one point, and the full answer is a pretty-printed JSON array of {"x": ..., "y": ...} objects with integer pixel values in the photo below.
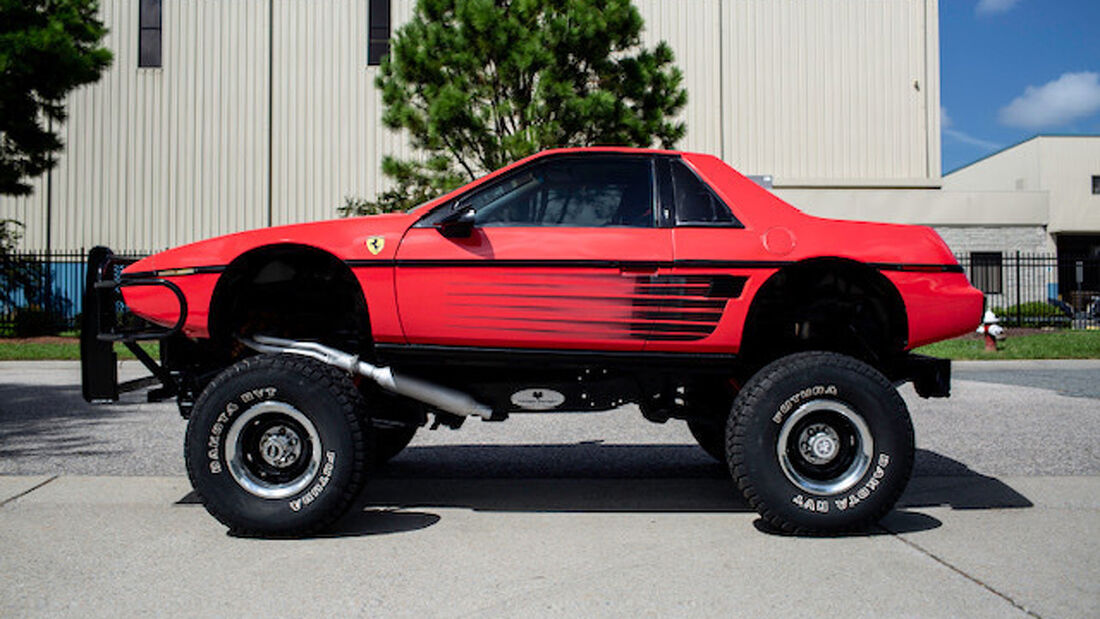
[
  {"x": 55, "y": 420},
  {"x": 592, "y": 477}
]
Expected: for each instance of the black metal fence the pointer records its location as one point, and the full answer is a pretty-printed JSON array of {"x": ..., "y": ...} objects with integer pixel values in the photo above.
[
  {"x": 1037, "y": 290},
  {"x": 41, "y": 293}
]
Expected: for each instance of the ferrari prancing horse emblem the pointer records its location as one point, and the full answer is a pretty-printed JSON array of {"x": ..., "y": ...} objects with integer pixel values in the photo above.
[{"x": 375, "y": 244}]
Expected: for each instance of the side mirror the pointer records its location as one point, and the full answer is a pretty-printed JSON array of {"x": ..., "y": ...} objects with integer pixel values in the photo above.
[{"x": 459, "y": 224}]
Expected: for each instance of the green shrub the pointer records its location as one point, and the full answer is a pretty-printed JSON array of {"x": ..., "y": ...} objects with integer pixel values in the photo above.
[
  {"x": 33, "y": 322},
  {"x": 1034, "y": 313}
]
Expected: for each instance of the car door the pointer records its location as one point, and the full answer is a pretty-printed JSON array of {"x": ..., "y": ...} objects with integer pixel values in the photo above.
[
  {"x": 718, "y": 262},
  {"x": 558, "y": 255}
]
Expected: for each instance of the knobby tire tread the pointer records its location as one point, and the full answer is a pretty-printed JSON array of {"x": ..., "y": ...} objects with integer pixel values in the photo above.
[
  {"x": 744, "y": 407},
  {"x": 338, "y": 384}
]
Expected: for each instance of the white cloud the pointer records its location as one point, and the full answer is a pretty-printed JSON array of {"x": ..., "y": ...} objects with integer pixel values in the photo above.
[
  {"x": 966, "y": 138},
  {"x": 990, "y": 7},
  {"x": 961, "y": 136},
  {"x": 1071, "y": 97}
]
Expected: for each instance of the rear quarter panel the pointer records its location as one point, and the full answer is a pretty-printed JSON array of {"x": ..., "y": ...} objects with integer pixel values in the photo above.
[
  {"x": 939, "y": 305},
  {"x": 939, "y": 302}
]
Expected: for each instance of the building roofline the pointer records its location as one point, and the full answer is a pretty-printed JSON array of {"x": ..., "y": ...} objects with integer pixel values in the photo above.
[{"x": 1021, "y": 143}]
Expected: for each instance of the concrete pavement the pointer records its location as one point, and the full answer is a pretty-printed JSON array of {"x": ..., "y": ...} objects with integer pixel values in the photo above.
[
  {"x": 547, "y": 515},
  {"x": 1004, "y": 418},
  {"x": 100, "y": 545}
]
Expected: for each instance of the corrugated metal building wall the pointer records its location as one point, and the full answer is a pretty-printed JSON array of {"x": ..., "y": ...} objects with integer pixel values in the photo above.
[{"x": 259, "y": 99}]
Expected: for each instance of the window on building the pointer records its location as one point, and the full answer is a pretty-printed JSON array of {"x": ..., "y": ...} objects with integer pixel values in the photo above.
[
  {"x": 1096, "y": 185},
  {"x": 378, "y": 32},
  {"x": 986, "y": 271},
  {"x": 149, "y": 33}
]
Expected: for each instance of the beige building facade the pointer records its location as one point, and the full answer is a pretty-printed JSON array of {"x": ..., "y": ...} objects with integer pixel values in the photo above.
[
  {"x": 1063, "y": 169},
  {"x": 220, "y": 115},
  {"x": 265, "y": 112}
]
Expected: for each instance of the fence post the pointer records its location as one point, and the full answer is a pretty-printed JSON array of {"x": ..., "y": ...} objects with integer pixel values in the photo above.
[
  {"x": 48, "y": 273},
  {"x": 1019, "y": 286}
]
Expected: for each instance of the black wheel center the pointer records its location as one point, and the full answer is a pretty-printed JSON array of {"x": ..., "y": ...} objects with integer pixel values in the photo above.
[
  {"x": 823, "y": 445},
  {"x": 275, "y": 448}
]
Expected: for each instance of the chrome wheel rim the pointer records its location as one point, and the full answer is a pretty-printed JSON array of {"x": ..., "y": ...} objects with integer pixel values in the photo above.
[
  {"x": 272, "y": 450},
  {"x": 824, "y": 447}
]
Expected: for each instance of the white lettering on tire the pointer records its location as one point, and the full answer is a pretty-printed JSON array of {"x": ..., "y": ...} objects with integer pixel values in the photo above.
[
  {"x": 870, "y": 486},
  {"x": 319, "y": 487},
  {"x": 221, "y": 422},
  {"x": 809, "y": 392},
  {"x": 811, "y": 505},
  {"x": 254, "y": 395},
  {"x": 820, "y": 506}
]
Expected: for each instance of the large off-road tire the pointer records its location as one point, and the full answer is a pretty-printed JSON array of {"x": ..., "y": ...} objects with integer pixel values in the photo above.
[
  {"x": 710, "y": 436},
  {"x": 395, "y": 420},
  {"x": 390, "y": 441},
  {"x": 711, "y": 402},
  {"x": 276, "y": 445},
  {"x": 819, "y": 442}
]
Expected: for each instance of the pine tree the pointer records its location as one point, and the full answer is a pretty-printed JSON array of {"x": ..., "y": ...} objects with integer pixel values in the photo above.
[
  {"x": 47, "y": 48},
  {"x": 477, "y": 84}
]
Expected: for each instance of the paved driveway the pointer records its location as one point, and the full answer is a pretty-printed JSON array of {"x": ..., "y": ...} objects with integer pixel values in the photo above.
[{"x": 586, "y": 513}]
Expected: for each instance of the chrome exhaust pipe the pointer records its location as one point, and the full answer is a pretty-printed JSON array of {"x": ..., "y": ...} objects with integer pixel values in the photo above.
[{"x": 437, "y": 396}]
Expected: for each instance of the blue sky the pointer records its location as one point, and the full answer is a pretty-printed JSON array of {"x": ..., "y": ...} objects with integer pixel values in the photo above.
[{"x": 1011, "y": 69}]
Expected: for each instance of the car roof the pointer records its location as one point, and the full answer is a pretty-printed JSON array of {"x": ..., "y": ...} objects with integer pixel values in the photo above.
[{"x": 603, "y": 149}]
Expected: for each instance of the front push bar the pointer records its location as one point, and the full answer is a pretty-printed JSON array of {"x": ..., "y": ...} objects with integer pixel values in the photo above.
[{"x": 100, "y": 329}]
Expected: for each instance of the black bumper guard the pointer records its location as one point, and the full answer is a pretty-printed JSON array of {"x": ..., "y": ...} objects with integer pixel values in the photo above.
[{"x": 100, "y": 329}]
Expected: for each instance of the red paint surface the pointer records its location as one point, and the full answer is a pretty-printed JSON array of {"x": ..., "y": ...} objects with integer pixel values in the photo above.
[
  {"x": 534, "y": 307},
  {"x": 582, "y": 307}
]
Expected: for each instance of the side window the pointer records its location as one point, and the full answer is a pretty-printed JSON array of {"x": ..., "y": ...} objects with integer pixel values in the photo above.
[
  {"x": 571, "y": 192},
  {"x": 695, "y": 203}
]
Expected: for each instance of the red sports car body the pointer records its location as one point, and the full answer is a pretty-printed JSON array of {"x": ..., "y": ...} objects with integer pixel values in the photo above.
[{"x": 634, "y": 288}]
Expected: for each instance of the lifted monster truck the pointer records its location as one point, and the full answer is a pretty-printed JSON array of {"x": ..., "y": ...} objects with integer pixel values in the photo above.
[{"x": 305, "y": 355}]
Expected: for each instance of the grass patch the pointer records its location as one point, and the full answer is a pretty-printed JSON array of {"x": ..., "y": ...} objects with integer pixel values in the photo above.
[
  {"x": 1053, "y": 345},
  {"x": 57, "y": 348}
]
